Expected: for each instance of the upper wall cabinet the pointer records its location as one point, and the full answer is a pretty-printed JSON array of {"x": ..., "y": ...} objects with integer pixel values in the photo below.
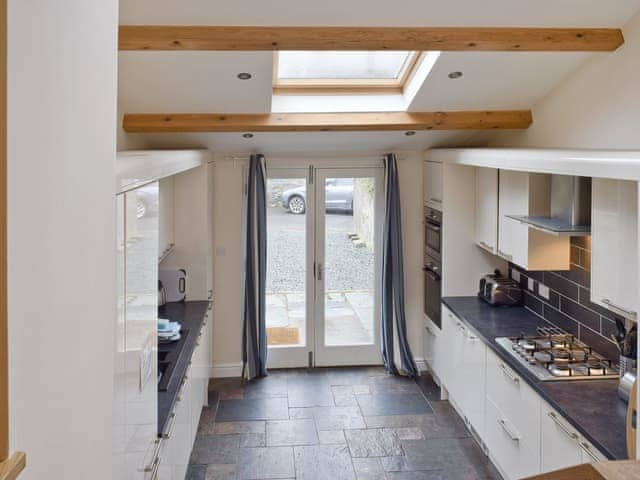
[
  {"x": 614, "y": 247},
  {"x": 486, "y": 232},
  {"x": 523, "y": 193},
  {"x": 166, "y": 235},
  {"x": 432, "y": 173}
]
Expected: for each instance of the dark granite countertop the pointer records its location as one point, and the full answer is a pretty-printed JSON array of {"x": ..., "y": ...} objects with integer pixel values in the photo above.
[
  {"x": 591, "y": 406},
  {"x": 191, "y": 316}
]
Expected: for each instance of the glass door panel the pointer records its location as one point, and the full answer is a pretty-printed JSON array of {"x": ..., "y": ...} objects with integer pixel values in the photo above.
[
  {"x": 348, "y": 232},
  {"x": 288, "y": 264}
]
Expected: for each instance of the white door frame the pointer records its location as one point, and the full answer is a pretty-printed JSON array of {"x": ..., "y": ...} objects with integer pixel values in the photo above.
[
  {"x": 298, "y": 356},
  {"x": 313, "y": 349},
  {"x": 350, "y": 354}
]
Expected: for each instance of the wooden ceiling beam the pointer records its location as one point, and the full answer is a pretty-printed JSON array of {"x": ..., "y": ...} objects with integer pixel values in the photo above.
[
  {"x": 166, "y": 37},
  {"x": 325, "y": 122}
]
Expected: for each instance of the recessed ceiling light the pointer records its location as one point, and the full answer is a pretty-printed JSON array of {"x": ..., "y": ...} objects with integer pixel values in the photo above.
[
  {"x": 410, "y": 133},
  {"x": 454, "y": 75},
  {"x": 244, "y": 76},
  {"x": 247, "y": 135}
]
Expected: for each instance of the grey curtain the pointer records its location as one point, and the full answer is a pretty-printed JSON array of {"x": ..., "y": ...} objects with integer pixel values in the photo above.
[
  {"x": 394, "y": 327},
  {"x": 254, "y": 337}
]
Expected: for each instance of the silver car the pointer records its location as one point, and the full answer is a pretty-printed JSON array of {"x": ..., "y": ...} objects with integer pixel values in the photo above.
[{"x": 338, "y": 196}]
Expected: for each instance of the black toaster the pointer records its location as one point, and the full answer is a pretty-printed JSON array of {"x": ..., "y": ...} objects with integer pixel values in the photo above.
[{"x": 498, "y": 290}]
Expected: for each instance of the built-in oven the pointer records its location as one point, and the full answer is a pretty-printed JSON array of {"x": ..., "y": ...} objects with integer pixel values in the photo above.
[
  {"x": 432, "y": 266},
  {"x": 433, "y": 233},
  {"x": 432, "y": 271}
]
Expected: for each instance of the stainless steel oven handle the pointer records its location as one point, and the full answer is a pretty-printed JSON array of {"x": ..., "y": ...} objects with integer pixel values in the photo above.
[
  {"x": 569, "y": 433},
  {"x": 434, "y": 199}
]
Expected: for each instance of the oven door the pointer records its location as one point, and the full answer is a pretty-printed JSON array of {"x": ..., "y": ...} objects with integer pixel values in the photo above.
[
  {"x": 433, "y": 238},
  {"x": 432, "y": 293}
]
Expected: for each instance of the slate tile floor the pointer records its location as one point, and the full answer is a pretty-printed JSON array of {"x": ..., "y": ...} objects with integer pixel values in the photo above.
[{"x": 333, "y": 424}]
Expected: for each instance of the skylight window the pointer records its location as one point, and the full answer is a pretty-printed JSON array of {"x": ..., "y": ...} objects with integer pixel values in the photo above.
[{"x": 304, "y": 71}]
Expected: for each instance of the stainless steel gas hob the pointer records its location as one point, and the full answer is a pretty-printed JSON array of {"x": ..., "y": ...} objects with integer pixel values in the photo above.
[{"x": 556, "y": 355}]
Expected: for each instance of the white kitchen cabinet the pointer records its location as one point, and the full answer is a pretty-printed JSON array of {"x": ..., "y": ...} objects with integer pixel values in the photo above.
[
  {"x": 515, "y": 452},
  {"x": 560, "y": 443},
  {"x": 486, "y": 222},
  {"x": 182, "y": 431},
  {"x": 614, "y": 245},
  {"x": 432, "y": 176},
  {"x": 524, "y": 193},
  {"x": 135, "y": 350},
  {"x": 166, "y": 213},
  {"x": 193, "y": 231},
  {"x": 429, "y": 341},
  {"x": 474, "y": 369},
  {"x": 512, "y": 420}
]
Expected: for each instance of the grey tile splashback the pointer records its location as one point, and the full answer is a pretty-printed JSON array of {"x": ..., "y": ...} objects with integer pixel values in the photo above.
[{"x": 568, "y": 305}]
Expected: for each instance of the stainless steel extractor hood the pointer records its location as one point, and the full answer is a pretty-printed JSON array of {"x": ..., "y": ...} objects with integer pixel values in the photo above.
[{"x": 570, "y": 212}]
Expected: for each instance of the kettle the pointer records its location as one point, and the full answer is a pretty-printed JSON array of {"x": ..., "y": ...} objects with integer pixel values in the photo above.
[{"x": 162, "y": 294}]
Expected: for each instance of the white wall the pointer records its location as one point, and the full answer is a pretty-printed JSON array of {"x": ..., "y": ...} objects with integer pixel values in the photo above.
[
  {"x": 598, "y": 106},
  {"x": 227, "y": 217},
  {"x": 61, "y": 176}
]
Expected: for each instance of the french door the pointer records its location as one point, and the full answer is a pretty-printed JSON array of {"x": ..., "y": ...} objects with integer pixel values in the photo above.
[{"x": 324, "y": 229}]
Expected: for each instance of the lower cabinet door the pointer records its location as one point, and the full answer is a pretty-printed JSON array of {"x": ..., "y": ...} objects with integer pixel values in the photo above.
[
  {"x": 182, "y": 433},
  {"x": 474, "y": 369},
  {"x": 516, "y": 454},
  {"x": 560, "y": 442}
]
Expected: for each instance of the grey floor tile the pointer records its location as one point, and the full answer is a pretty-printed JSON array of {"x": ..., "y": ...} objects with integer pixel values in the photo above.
[
  {"x": 338, "y": 418},
  {"x": 331, "y": 437},
  {"x": 271, "y": 386},
  {"x": 323, "y": 462},
  {"x": 343, "y": 396},
  {"x": 390, "y": 384},
  {"x": 253, "y": 440},
  {"x": 196, "y": 472},
  {"x": 266, "y": 462},
  {"x": 232, "y": 428},
  {"x": 252, "y": 409},
  {"x": 221, "y": 472},
  {"x": 368, "y": 469},
  {"x": 393, "y": 404},
  {"x": 429, "y": 387},
  {"x": 309, "y": 397},
  {"x": 398, "y": 421},
  {"x": 215, "y": 449},
  {"x": 296, "y": 413},
  {"x": 409, "y": 433},
  {"x": 377, "y": 442},
  {"x": 292, "y": 432},
  {"x": 434, "y": 454}
]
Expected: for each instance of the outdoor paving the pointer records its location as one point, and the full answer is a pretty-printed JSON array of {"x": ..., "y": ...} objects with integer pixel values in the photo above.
[{"x": 365, "y": 425}]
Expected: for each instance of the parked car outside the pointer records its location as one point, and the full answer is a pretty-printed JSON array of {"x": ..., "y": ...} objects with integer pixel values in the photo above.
[{"x": 338, "y": 196}]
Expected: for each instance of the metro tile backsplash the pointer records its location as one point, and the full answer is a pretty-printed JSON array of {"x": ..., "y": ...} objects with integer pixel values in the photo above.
[{"x": 568, "y": 305}]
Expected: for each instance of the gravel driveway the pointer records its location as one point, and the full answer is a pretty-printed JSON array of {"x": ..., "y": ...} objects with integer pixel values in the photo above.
[{"x": 347, "y": 267}]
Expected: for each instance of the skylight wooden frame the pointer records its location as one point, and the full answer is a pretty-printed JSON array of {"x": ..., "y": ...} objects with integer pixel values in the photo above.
[{"x": 346, "y": 86}]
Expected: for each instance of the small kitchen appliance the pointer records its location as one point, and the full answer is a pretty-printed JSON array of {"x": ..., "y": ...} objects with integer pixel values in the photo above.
[
  {"x": 175, "y": 284},
  {"x": 555, "y": 355},
  {"x": 500, "y": 291}
]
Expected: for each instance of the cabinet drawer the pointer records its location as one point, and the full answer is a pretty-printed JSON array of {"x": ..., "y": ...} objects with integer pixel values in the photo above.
[
  {"x": 560, "y": 447},
  {"x": 513, "y": 450},
  {"x": 513, "y": 396}
]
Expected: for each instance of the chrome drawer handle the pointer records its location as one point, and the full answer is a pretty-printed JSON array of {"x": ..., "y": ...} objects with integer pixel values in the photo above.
[
  {"x": 509, "y": 375},
  {"x": 156, "y": 453},
  {"x": 587, "y": 449},
  {"x": 167, "y": 435},
  {"x": 606, "y": 301},
  {"x": 512, "y": 436},
  {"x": 569, "y": 433},
  {"x": 472, "y": 338}
]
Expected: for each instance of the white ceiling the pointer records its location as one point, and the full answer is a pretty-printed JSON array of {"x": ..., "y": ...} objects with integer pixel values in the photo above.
[
  {"x": 512, "y": 13},
  {"x": 170, "y": 82}
]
